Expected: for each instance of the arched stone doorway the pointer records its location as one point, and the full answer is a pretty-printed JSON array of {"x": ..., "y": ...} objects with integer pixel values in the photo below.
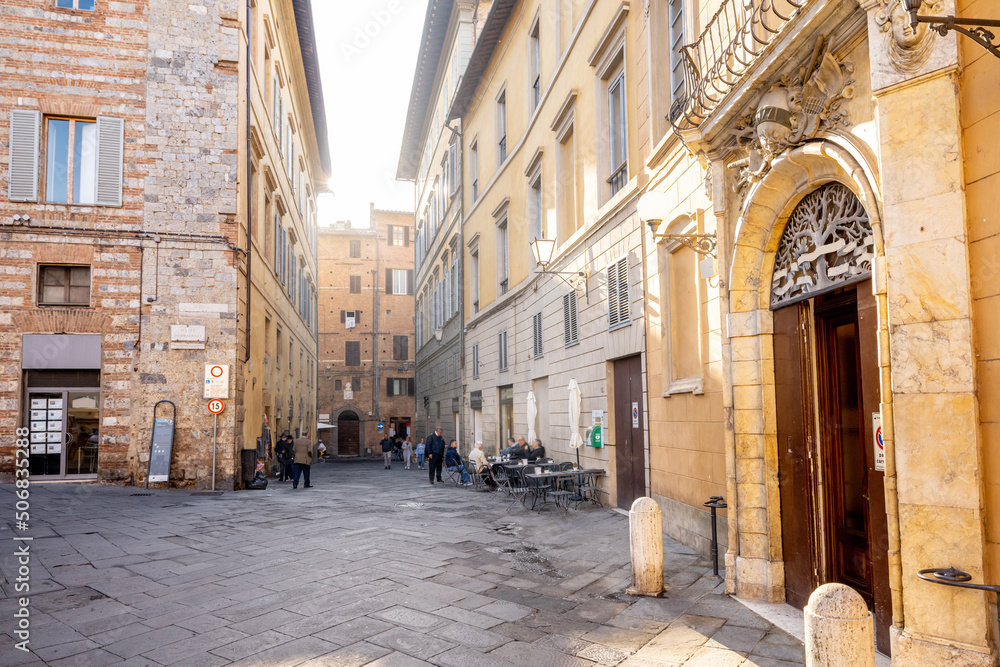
[
  {"x": 805, "y": 324},
  {"x": 348, "y": 433}
]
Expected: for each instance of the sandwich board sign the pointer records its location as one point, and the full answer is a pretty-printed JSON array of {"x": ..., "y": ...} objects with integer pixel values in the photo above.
[{"x": 161, "y": 446}]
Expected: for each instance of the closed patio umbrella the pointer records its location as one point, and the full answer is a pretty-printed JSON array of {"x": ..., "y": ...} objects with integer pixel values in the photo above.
[
  {"x": 532, "y": 415},
  {"x": 575, "y": 403}
]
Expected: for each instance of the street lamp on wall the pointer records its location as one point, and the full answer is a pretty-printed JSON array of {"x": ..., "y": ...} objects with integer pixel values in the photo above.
[
  {"x": 653, "y": 207},
  {"x": 542, "y": 250},
  {"x": 942, "y": 24}
]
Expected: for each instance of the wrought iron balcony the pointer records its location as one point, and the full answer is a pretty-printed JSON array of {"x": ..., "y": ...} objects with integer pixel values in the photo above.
[{"x": 735, "y": 37}]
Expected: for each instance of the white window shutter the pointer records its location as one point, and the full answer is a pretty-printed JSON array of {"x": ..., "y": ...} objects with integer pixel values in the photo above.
[
  {"x": 22, "y": 181},
  {"x": 110, "y": 156}
]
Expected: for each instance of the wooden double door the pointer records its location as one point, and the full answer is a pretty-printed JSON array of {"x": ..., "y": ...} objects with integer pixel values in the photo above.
[{"x": 833, "y": 521}]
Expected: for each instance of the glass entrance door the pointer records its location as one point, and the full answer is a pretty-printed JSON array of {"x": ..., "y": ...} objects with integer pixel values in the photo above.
[{"x": 63, "y": 427}]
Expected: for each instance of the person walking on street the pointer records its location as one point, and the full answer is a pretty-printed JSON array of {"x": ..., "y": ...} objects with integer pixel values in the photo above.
[
  {"x": 302, "y": 452},
  {"x": 386, "y": 452},
  {"x": 407, "y": 452},
  {"x": 283, "y": 451},
  {"x": 421, "y": 450},
  {"x": 435, "y": 455}
]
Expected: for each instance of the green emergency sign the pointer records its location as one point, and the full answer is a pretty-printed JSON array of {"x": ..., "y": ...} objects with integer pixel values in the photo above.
[{"x": 595, "y": 437}]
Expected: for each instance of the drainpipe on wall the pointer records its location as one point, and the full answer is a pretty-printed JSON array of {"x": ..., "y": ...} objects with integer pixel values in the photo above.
[
  {"x": 249, "y": 213},
  {"x": 375, "y": 305}
]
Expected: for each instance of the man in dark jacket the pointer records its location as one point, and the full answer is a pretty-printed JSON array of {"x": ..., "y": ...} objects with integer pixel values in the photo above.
[
  {"x": 386, "y": 452},
  {"x": 283, "y": 452},
  {"x": 537, "y": 451},
  {"x": 435, "y": 455},
  {"x": 453, "y": 461}
]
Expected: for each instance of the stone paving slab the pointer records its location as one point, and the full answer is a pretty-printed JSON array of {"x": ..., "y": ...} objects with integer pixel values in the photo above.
[{"x": 370, "y": 568}]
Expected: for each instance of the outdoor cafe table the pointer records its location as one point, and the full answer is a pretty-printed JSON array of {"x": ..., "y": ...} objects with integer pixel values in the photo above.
[{"x": 566, "y": 474}]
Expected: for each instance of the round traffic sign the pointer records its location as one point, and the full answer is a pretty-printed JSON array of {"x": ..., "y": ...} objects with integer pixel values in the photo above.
[
  {"x": 380, "y": 426},
  {"x": 215, "y": 406},
  {"x": 217, "y": 371}
]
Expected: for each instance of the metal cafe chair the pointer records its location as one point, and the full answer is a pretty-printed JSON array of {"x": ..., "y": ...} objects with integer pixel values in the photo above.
[{"x": 518, "y": 489}]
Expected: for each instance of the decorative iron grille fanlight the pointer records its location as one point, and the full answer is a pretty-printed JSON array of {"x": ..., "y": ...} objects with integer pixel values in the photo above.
[{"x": 828, "y": 243}]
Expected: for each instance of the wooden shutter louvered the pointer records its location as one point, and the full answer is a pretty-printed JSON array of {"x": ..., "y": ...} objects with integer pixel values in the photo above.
[
  {"x": 612, "y": 297},
  {"x": 406, "y": 236},
  {"x": 343, "y": 317},
  {"x": 409, "y": 281},
  {"x": 388, "y": 386},
  {"x": 388, "y": 281},
  {"x": 110, "y": 157},
  {"x": 571, "y": 334},
  {"x": 536, "y": 334},
  {"x": 389, "y": 235},
  {"x": 411, "y": 387},
  {"x": 22, "y": 182},
  {"x": 623, "y": 297}
]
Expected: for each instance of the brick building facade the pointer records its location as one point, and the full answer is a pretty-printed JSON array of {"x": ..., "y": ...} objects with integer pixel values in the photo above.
[
  {"x": 125, "y": 204},
  {"x": 366, "y": 332}
]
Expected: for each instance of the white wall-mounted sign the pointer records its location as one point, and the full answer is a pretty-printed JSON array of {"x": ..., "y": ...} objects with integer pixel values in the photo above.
[
  {"x": 216, "y": 381},
  {"x": 187, "y": 332},
  {"x": 879, "y": 444}
]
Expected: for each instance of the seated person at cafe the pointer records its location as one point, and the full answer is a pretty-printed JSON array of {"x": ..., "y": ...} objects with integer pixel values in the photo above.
[
  {"x": 509, "y": 448},
  {"x": 518, "y": 451},
  {"x": 537, "y": 451},
  {"x": 453, "y": 462},
  {"x": 478, "y": 458}
]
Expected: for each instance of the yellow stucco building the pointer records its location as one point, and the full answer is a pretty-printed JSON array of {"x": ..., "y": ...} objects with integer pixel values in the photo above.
[
  {"x": 845, "y": 375},
  {"x": 777, "y": 248}
]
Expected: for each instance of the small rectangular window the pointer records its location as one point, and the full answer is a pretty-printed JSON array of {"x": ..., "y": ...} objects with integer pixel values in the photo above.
[
  {"x": 474, "y": 169},
  {"x": 475, "y": 360},
  {"x": 64, "y": 285},
  {"x": 355, "y": 248},
  {"x": 352, "y": 353},
  {"x": 337, "y": 385},
  {"x": 502, "y": 350},
  {"x": 76, "y": 4},
  {"x": 617, "y": 134},
  {"x": 355, "y": 383},
  {"x": 536, "y": 66},
  {"x": 502, "y": 127},
  {"x": 400, "y": 348},
  {"x": 355, "y": 284},
  {"x": 502, "y": 257}
]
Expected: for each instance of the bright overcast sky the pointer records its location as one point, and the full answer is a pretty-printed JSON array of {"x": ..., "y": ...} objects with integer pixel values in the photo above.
[{"x": 367, "y": 52}]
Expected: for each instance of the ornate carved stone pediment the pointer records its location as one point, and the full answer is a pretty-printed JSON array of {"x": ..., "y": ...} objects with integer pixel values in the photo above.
[
  {"x": 792, "y": 111},
  {"x": 827, "y": 243}
]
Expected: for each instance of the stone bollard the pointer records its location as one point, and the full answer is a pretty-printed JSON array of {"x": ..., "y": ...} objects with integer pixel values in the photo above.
[
  {"x": 646, "y": 542},
  {"x": 840, "y": 631}
]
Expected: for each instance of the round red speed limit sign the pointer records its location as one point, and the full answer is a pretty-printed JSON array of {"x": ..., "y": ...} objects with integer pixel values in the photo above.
[
  {"x": 217, "y": 371},
  {"x": 215, "y": 406}
]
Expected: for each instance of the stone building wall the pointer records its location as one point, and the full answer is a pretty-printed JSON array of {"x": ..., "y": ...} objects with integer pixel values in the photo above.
[
  {"x": 191, "y": 187},
  {"x": 42, "y": 69}
]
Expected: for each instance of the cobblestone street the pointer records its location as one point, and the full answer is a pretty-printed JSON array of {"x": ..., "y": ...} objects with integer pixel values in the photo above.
[{"x": 369, "y": 567}]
